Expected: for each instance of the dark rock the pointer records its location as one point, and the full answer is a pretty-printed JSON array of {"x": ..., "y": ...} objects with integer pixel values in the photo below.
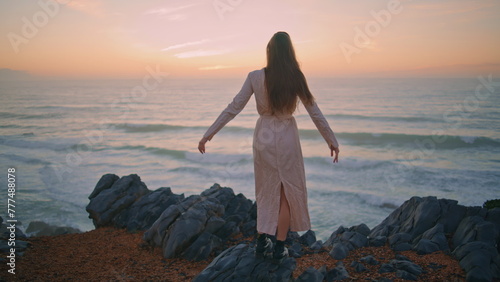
[
  {"x": 358, "y": 267},
  {"x": 433, "y": 239},
  {"x": 316, "y": 246},
  {"x": 400, "y": 242},
  {"x": 476, "y": 211},
  {"x": 399, "y": 238},
  {"x": 464, "y": 250},
  {"x": 334, "y": 238},
  {"x": 338, "y": 273},
  {"x": 229, "y": 229},
  {"x": 339, "y": 251},
  {"x": 417, "y": 215},
  {"x": 480, "y": 261},
  {"x": 291, "y": 237},
  {"x": 238, "y": 263},
  {"x": 199, "y": 225},
  {"x": 383, "y": 279},
  {"x": 249, "y": 228},
  {"x": 5, "y": 233},
  {"x": 323, "y": 270},
  {"x": 105, "y": 182},
  {"x": 407, "y": 266},
  {"x": 310, "y": 275},
  {"x": 451, "y": 215},
  {"x": 362, "y": 229},
  {"x": 358, "y": 240},
  {"x": 401, "y": 257},
  {"x": 426, "y": 215},
  {"x": 295, "y": 250},
  {"x": 146, "y": 210},
  {"x": 386, "y": 267},
  {"x": 493, "y": 216},
  {"x": 110, "y": 202},
  {"x": 204, "y": 245},
  {"x": 40, "y": 228},
  {"x": 475, "y": 228},
  {"x": 308, "y": 238},
  {"x": 401, "y": 247},
  {"x": 425, "y": 246},
  {"x": 405, "y": 275},
  {"x": 214, "y": 224},
  {"x": 188, "y": 226},
  {"x": 479, "y": 274},
  {"x": 378, "y": 241},
  {"x": 369, "y": 260},
  {"x": 428, "y": 221}
]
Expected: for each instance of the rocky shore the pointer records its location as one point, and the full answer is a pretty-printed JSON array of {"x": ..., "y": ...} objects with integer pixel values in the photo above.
[{"x": 210, "y": 237}]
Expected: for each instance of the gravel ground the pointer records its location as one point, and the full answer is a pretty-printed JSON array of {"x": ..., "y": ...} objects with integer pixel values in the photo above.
[{"x": 115, "y": 254}]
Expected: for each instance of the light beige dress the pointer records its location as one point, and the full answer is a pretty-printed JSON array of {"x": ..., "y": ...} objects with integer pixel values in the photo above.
[{"x": 277, "y": 155}]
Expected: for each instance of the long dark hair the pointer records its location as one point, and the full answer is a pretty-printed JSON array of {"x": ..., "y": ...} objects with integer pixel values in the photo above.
[{"x": 285, "y": 82}]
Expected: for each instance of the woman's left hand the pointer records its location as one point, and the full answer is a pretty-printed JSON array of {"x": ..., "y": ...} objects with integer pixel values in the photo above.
[
  {"x": 201, "y": 145},
  {"x": 336, "y": 150}
]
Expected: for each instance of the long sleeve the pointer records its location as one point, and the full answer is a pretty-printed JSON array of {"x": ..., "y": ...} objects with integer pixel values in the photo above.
[
  {"x": 235, "y": 107},
  {"x": 322, "y": 124}
]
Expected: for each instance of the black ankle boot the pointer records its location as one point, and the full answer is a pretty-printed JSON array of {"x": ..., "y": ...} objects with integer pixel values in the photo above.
[
  {"x": 280, "y": 252},
  {"x": 264, "y": 246}
]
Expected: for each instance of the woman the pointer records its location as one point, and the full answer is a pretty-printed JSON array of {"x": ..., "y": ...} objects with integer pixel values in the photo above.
[{"x": 280, "y": 185}]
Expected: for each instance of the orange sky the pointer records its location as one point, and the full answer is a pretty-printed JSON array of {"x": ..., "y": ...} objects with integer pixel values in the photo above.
[{"x": 222, "y": 38}]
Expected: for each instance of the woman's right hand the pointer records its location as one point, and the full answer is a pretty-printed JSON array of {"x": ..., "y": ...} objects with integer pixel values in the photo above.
[
  {"x": 336, "y": 150},
  {"x": 201, "y": 145}
]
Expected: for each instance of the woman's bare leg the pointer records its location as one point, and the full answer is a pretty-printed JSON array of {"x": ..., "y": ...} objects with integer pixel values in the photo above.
[{"x": 284, "y": 217}]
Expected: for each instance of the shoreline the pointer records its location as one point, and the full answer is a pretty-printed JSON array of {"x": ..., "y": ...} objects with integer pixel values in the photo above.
[{"x": 159, "y": 235}]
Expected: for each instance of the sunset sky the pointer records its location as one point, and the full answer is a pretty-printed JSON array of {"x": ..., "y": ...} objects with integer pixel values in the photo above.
[{"x": 225, "y": 38}]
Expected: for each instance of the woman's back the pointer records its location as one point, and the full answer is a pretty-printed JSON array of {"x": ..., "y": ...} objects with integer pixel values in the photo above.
[{"x": 280, "y": 183}]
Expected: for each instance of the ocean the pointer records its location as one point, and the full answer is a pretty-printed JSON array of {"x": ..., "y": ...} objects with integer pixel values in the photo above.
[{"x": 399, "y": 137}]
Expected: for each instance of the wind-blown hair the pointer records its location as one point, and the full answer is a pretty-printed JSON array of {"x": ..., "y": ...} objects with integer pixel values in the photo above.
[{"x": 285, "y": 82}]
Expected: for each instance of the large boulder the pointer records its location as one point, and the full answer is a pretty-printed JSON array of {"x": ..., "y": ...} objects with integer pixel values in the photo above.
[
  {"x": 238, "y": 263},
  {"x": 418, "y": 215},
  {"x": 146, "y": 210},
  {"x": 127, "y": 203},
  {"x": 200, "y": 224},
  {"x": 111, "y": 198},
  {"x": 424, "y": 224}
]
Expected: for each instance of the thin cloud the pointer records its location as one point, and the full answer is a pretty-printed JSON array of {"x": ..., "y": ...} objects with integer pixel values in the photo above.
[
  {"x": 200, "y": 53},
  {"x": 453, "y": 8},
  {"x": 187, "y": 44},
  {"x": 166, "y": 11},
  {"x": 217, "y": 67},
  {"x": 92, "y": 7}
]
